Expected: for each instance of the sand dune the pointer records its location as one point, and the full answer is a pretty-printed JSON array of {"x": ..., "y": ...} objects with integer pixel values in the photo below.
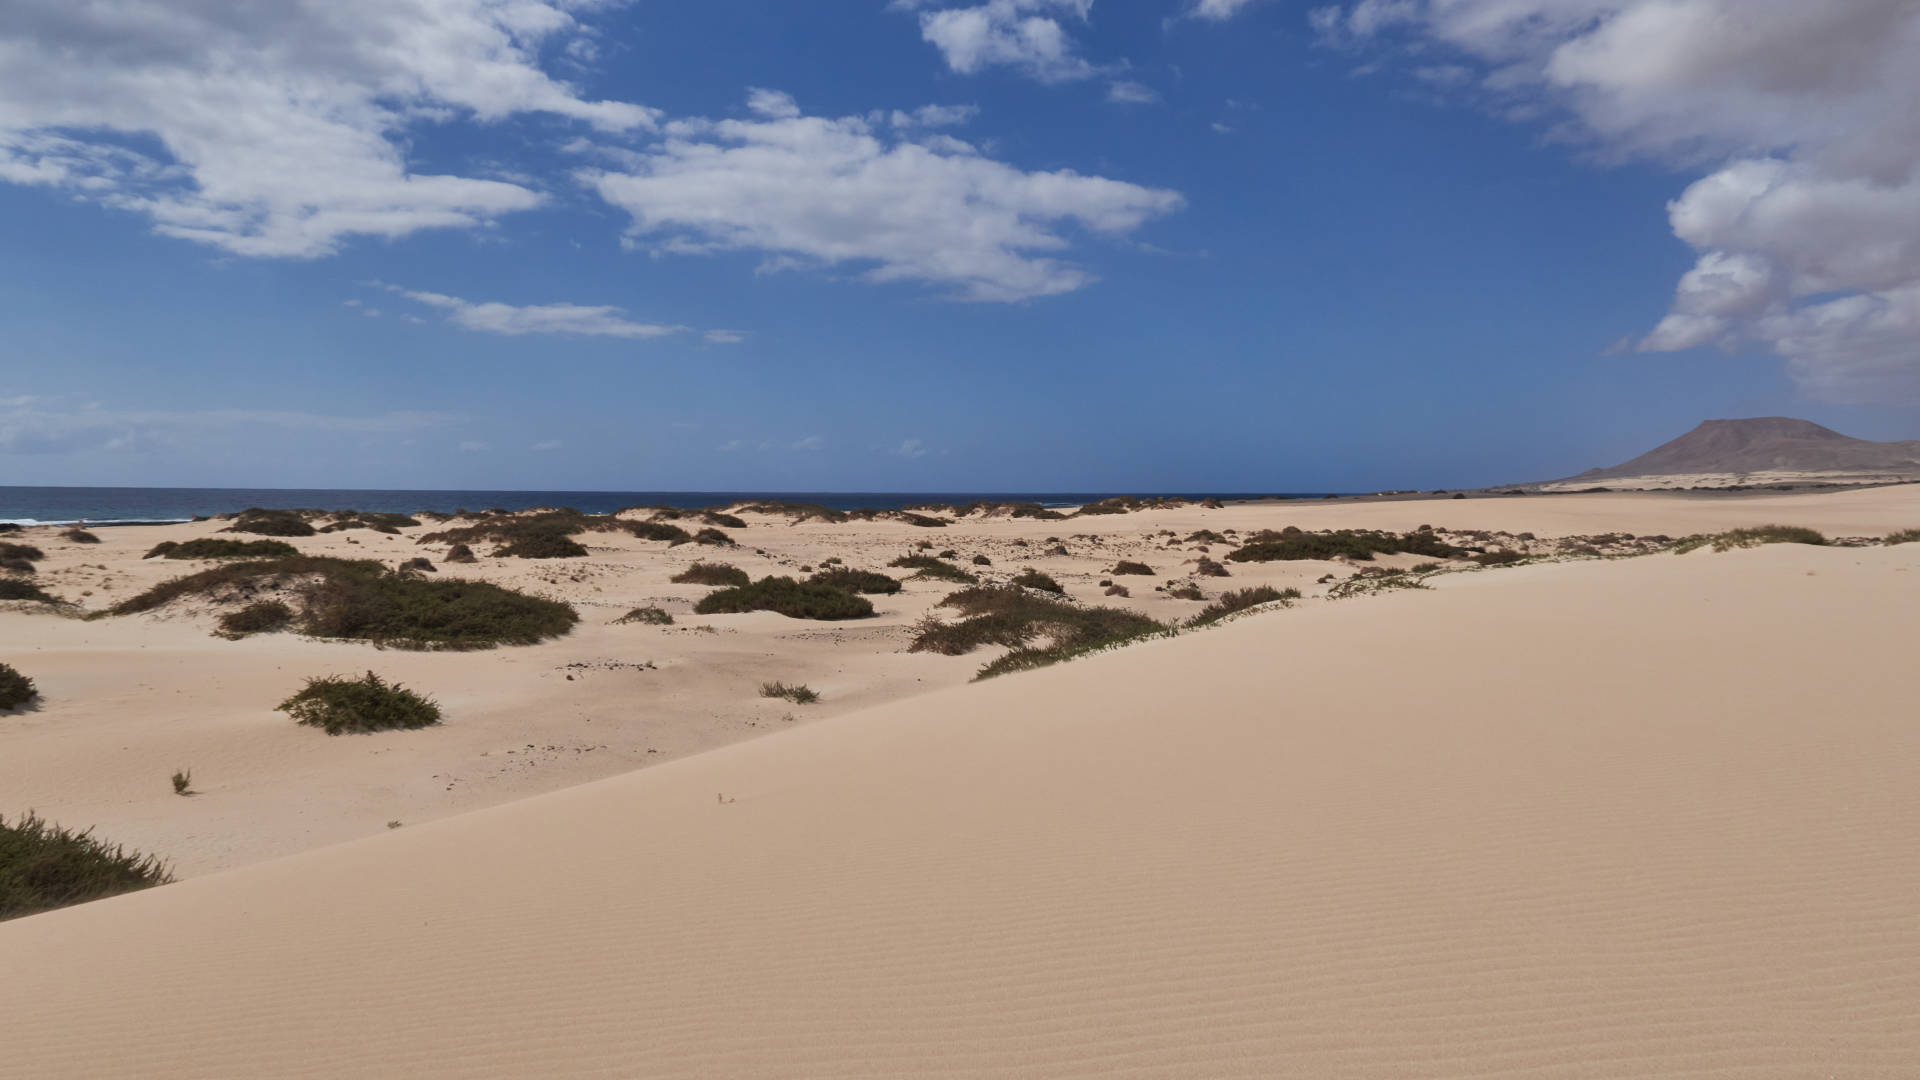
[{"x": 1649, "y": 818}]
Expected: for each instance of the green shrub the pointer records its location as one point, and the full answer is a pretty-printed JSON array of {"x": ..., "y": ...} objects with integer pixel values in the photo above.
[
  {"x": 15, "y": 589},
  {"x": 794, "y": 599},
  {"x": 1124, "y": 567},
  {"x": 362, "y": 600},
  {"x": 542, "y": 545},
  {"x": 798, "y": 511},
  {"x": 1016, "y": 618},
  {"x": 214, "y": 548},
  {"x": 1904, "y": 536},
  {"x": 43, "y": 867},
  {"x": 271, "y": 523},
  {"x": 1746, "y": 538},
  {"x": 259, "y": 617},
  {"x": 460, "y": 553},
  {"x": 382, "y": 523},
  {"x": 713, "y": 538},
  {"x": 1499, "y": 558},
  {"x": 23, "y": 552},
  {"x": 1232, "y": 602},
  {"x": 725, "y": 521},
  {"x": 926, "y": 566},
  {"x": 1186, "y": 592},
  {"x": 702, "y": 573},
  {"x": 79, "y": 536},
  {"x": 799, "y": 695},
  {"x": 673, "y": 535},
  {"x": 16, "y": 566},
  {"x": 1117, "y": 590},
  {"x": 340, "y": 705},
  {"x": 1360, "y": 545},
  {"x": 921, "y": 521},
  {"x": 183, "y": 782},
  {"x": 1034, "y": 579},
  {"x": 856, "y": 581},
  {"x": 1205, "y": 536},
  {"x": 417, "y": 566},
  {"x": 15, "y": 689},
  {"x": 1209, "y": 568},
  {"x": 648, "y": 616},
  {"x": 982, "y": 560}
]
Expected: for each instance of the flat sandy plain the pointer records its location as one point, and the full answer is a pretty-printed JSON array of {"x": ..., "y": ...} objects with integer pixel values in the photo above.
[{"x": 1647, "y": 817}]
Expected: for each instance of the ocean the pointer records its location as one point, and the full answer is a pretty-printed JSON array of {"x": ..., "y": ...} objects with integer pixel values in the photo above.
[{"x": 104, "y": 505}]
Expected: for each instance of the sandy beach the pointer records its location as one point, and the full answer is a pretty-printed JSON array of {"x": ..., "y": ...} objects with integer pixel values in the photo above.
[{"x": 1585, "y": 818}]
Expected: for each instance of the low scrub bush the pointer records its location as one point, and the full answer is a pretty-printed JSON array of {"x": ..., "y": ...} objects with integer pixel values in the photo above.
[
  {"x": 713, "y": 538},
  {"x": 43, "y": 867},
  {"x": 79, "y": 536},
  {"x": 926, "y": 566},
  {"x": 460, "y": 553},
  {"x": 259, "y": 617},
  {"x": 16, "y": 566},
  {"x": 363, "y": 601},
  {"x": 798, "y": 511},
  {"x": 15, "y": 689},
  {"x": 1360, "y": 545},
  {"x": 418, "y": 566},
  {"x": 702, "y": 573},
  {"x": 982, "y": 560},
  {"x": 725, "y": 521},
  {"x": 799, "y": 695},
  {"x": 1186, "y": 592},
  {"x": 1124, "y": 567},
  {"x": 1746, "y": 538},
  {"x": 1499, "y": 558},
  {"x": 378, "y": 522},
  {"x": 856, "y": 581},
  {"x": 24, "y": 552},
  {"x": 1117, "y": 590},
  {"x": 271, "y": 523},
  {"x": 16, "y": 589},
  {"x": 1904, "y": 536},
  {"x": 1232, "y": 602},
  {"x": 340, "y": 706},
  {"x": 672, "y": 535},
  {"x": 215, "y": 548},
  {"x": 1209, "y": 568},
  {"x": 1040, "y": 630},
  {"x": 794, "y": 599},
  {"x": 183, "y": 782},
  {"x": 645, "y": 616},
  {"x": 1034, "y": 579},
  {"x": 542, "y": 545}
]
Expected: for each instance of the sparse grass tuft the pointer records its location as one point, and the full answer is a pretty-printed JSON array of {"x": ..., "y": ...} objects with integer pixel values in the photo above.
[
  {"x": 646, "y": 616},
  {"x": 1209, "y": 568},
  {"x": 1039, "y": 630},
  {"x": 183, "y": 782},
  {"x": 542, "y": 545},
  {"x": 1139, "y": 568},
  {"x": 799, "y": 695},
  {"x": 926, "y": 566},
  {"x": 702, "y": 573},
  {"x": 79, "y": 536},
  {"x": 22, "y": 552},
  {"x": 15, "y": 589},
  {"x": 259, "y": 617},
  {"x": 271, "y": 523},
  {"x": 1746, "y": 538},
  {"x": 672, "y": 535},
  {"x": 43, "y": 867},
  {"x": 1904, "y": 536},
  {"x": 1232, "y": 602},
  {"x": 1499, "y": 558},
  {"x": 794, "y": 599},
  {"x": 15, "y": 689},
  {"x": 340, "y": 705},
  {"x": 1034, "y": 579},
  {"x": 1186, "y": 592},
  {"x": 856, "y": 581},
  {"x": 713, "y": 538},
  {"x": 460, "y": 553},
  {"x": 215, "y": 548}
]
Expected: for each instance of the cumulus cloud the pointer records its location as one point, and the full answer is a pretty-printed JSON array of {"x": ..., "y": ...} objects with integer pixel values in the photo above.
[
  {"x": 513, "y": 321},
  {"x": 812, "y": 191},
  {"x": 1217, "y": 10},
  {"x": 277, "y": 129},
  {"x": 1025, "y": 35},
  {"x": 1128, "y": 92},
  {"x": 1807, "y": 222}
]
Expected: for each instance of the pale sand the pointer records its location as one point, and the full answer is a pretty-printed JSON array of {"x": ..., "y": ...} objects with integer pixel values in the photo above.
[{"x": 1640, "y": 818}]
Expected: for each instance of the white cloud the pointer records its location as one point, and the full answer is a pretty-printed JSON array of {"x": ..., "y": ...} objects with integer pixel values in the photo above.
[
  {"x": 725, "y": 337},
  {"x": 1807, "y": 224},
  {"x": 512, "y": 321},
  {"x": 809, "y": 190},
  {"x": 549, "y": 444},
  {"x": 911, "y": 448},
  {"x": 1222, "y": 129},
  {"x": 277, "y": 129},
  {"x": 1218, "y": 10},
  {"x": 1128, "y": 92},
  {"x": 1021, "y": 34},
  {"x": 29, "y": 426},
  {"x": 732, "y": 446},
  {"x": 810, "y": 443}
]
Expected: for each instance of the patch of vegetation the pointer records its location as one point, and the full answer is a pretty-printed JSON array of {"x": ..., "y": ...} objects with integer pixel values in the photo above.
[
  {"x": 794, "y": 599},
  {"x": 542, "y": 545},
  {"x": 183, "y": 782},
  {"x": 673, "y": 535},
  {"x": 16, "y": 566},
  {"x": 725, "y": 521},
  {"x": 799, "y": 695},
  {"x": 1186, "y": 592},
  {"x": 1208, "y": 568},
  {"x": 1746, "y": 538},
  {"x": 702, "y": 573},
  {"x": 1039, "y": 630},
  {"x": 798, "y": 511},
  {"x": 24, "y": 552},
  {"x": 856, "y": 581},
  {"x": 271, "y": 523},
  {"x": 460, "y": 553},
  {"x": 713, "y": 538},
  {"x": 420, "y": 565},
  {"x": 982, "y": 560},
  {"x": 1499, "y": 558},
  {"x": 1034, "y": 579},
  {"x": 926, "y": 566},
  {"x": 1360, "y": 545},
  {"x": 1232, "y": 602},
  {"x": 43, "y": 867},
  {"x": 15, "y": 589},
  {"x": 215, "y": 548},
  {"x": 363, "y": 601},
  {"x": 340, "y": 705},
  {"x": 1904, "y": 536},
  {"x": 378, "y": 522},
  {"x": 79, "y": 536},
  {"x": 1138, "y": 568},
  {"x": 921, "y": 521},
  {"x": 259, "y": 617},
  {"x": 15, "y": 689},
  {"x": 646, "y": 616}
]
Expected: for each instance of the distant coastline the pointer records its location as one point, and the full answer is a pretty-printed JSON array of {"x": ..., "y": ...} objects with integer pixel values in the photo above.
[{"x": 141, "y": 505}]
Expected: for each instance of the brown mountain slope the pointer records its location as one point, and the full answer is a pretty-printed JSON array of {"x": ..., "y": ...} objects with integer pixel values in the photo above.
[{"x": 1771, "y": 445}]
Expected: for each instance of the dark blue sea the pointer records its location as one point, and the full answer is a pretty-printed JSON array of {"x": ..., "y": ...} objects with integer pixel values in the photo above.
[{"x": 101, "y": 505}]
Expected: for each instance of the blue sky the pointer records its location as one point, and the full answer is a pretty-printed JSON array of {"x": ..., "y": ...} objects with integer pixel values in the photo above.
[{"x": 1252, "y": 245}]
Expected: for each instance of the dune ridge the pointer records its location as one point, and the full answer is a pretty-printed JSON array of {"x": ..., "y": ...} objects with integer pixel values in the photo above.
[{"x": 1646, "y": 818}]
